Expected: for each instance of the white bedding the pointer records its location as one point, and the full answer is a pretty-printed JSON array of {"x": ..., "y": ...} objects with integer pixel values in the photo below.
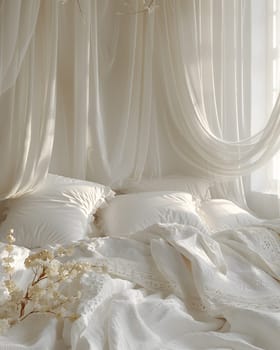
[{"x": 170, "y": 287}]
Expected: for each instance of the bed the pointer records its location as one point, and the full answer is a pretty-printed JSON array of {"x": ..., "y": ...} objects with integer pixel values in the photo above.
[{"x": 169, "y": 267}]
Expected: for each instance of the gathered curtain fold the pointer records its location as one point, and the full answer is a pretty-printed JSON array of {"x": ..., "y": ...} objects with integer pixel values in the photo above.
[
  {"x": 158, "y": 94},
  {"x": 190, "y": 70},
  {"x": 129, "y": 93},
  {"x": 105, "y": 93},
  {"x": 28, "y": 44},
  {"x": 17, "y": 25}
]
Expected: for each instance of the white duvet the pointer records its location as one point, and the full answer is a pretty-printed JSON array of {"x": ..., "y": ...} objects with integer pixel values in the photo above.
[{"x": 170, "y": 287}]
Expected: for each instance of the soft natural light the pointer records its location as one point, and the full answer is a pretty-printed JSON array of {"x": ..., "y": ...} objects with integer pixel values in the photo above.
[{"x": 265, "y": 83}]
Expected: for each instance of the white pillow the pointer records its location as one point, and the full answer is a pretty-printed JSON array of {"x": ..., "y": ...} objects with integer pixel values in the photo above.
[
  {"x": 198, "y": 187},
  {"x": 126, "y": 214},
  {"x": 222, "y": 214},
  {"x": 58, "y": 212}
]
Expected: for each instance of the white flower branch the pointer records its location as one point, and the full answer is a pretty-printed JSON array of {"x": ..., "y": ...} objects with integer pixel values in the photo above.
[{"x": 46, "y": 292}]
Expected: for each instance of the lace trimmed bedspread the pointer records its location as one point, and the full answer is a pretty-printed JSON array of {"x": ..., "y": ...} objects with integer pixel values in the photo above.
[{"x": 170, "y": 287}]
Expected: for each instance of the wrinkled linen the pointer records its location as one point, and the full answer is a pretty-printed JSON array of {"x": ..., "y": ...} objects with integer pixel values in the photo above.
[{"x": 169, "y": 287}]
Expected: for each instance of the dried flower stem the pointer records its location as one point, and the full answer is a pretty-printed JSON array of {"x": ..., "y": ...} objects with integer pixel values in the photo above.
[
  {"x": 35, "y": 299},
  {"x": 37, "y": 312}
]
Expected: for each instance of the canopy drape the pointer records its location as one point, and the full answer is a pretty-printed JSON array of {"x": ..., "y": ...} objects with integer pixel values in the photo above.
[
  {"x": 17, "y": 26},
  {"x": 106, "y": 102},
  {"x": 28, "y": 45},
  {"x": 134, "y": 94},
  {"x": 159, "y": 93},
  {"x": 204, "y": 63}
]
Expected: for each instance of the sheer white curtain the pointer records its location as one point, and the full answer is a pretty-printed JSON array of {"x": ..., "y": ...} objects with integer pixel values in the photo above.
[
  {"x": 28, "y": 41},
  {"x": 137, "y": 94},
  {"x": 107, "y": 126},
  {"x": 191, "y": 71},
  {"x": 160, "y": 93},
  {"x": 215, "y": 103},
  {"x": 17, "y": 26},
  {"x": 264, "y": 183}
]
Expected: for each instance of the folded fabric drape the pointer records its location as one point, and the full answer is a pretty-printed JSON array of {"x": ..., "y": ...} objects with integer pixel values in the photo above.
[
  {"x": 17, "y": 25},
  {"x": 190, "y": 68},
  {"x": 158, "y": 93},
  {"x": 132, "y": 93},
  {"x": 106, "y": 118},
  {"x": 28, "y": 45}
]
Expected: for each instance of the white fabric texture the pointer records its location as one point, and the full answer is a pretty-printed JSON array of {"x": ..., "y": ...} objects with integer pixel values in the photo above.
[
  {"x": 128, "y": 213},
  {"x": 111, "y": 104},
  {"x": 222, "y": 214},
  {"x": 15, "y": 37},
  {"x": 138, "y": 95},
  {"x": 147, "y": 110},
  {"x": 145, "y": 93},
  {"x": 265, "y": 182},
  {"x": 60, "y": 211},
  {"x": 28, "y": 60},
  {"x": 180, "y": 289},
  {"x": 194, "y": 35}
]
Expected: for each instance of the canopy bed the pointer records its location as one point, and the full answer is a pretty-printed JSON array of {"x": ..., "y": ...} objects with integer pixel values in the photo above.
[{"x": 128, "y": 144}]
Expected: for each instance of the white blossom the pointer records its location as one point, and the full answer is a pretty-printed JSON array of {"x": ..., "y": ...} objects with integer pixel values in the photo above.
[{"x": 49, "y": 290}]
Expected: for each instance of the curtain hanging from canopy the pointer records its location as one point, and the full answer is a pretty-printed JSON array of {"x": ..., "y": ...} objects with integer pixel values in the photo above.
[
  {"x": 28, "y": 44},
  {"x": 139, "y": 94},
  {"x": 159, "y": 93}
]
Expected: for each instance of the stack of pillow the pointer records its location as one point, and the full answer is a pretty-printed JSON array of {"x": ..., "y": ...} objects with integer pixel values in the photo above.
[{"x": 63, "y": 210}]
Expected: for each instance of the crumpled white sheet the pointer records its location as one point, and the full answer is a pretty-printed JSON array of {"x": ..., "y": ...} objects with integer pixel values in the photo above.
[{"x": 170, "y": 287}]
